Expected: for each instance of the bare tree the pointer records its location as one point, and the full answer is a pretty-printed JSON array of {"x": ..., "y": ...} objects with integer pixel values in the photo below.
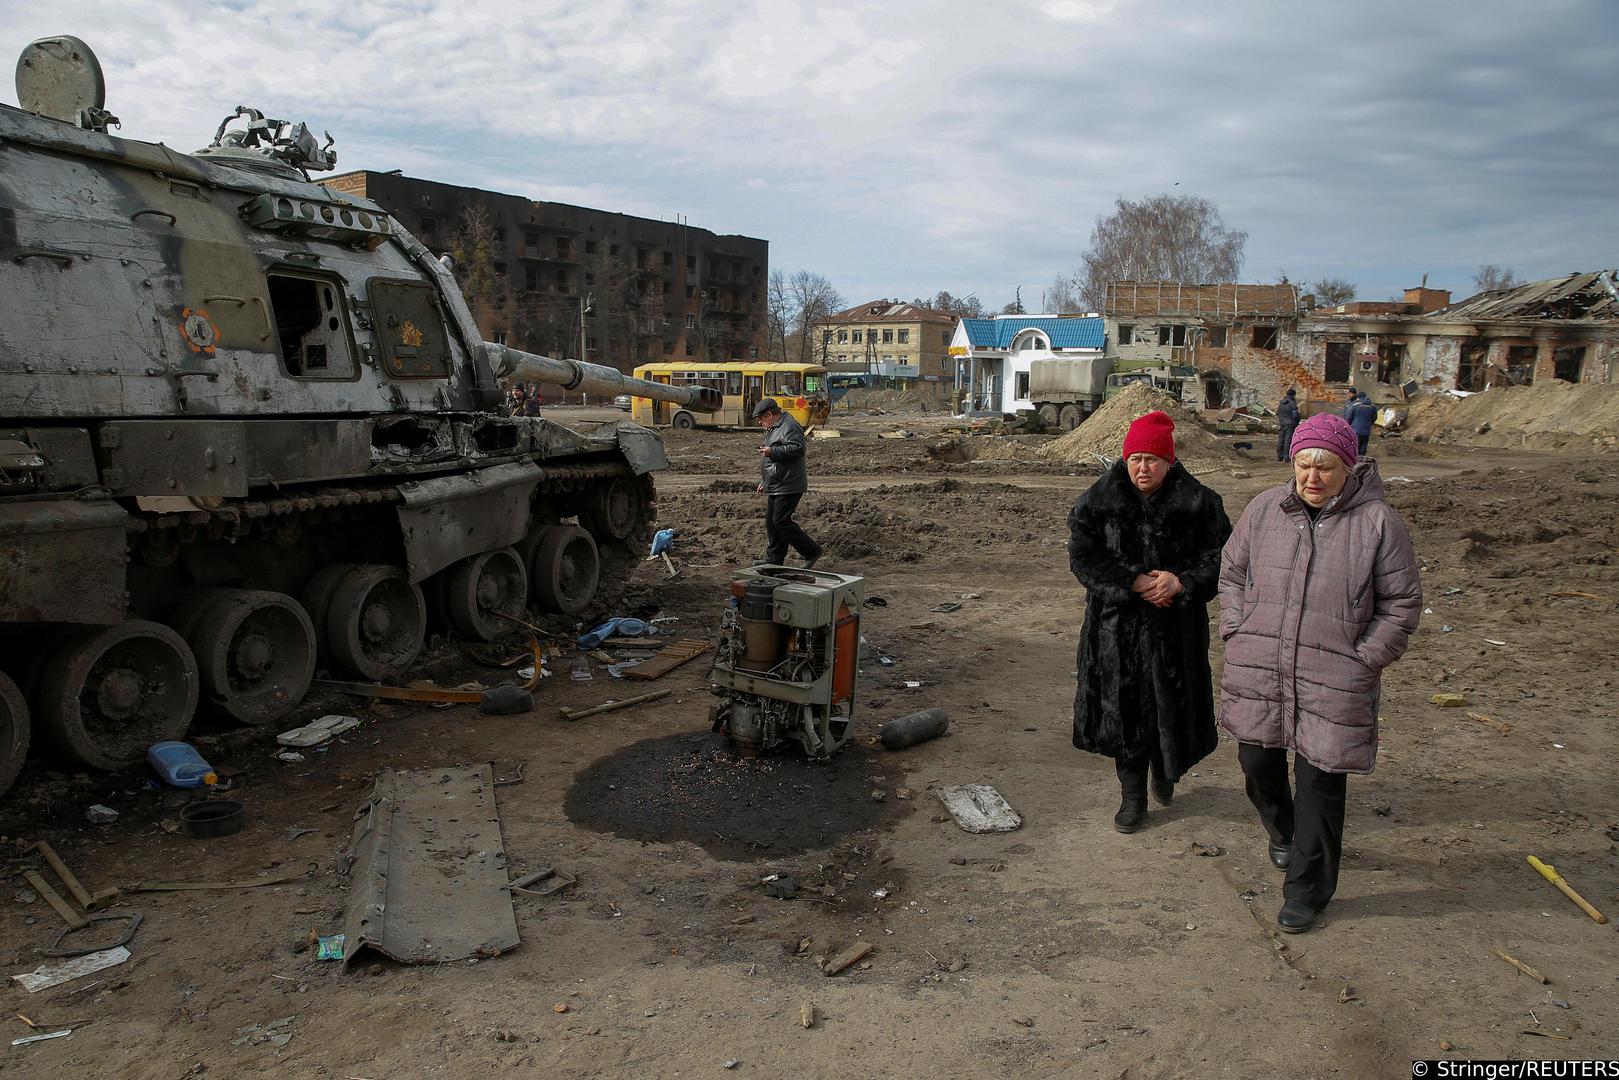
[
  {"x": 474, "y": 256},
  {"x": 1063, "y": 296},
  {"x": 1177, "y": 238},
  {"x": 1330, "y": 292},
  {"x": 778, "y": 315},
  {"x": 967, "y": 307},
  {"x": 812, "y": 299},
  {"x": 1491, "y": 278}
]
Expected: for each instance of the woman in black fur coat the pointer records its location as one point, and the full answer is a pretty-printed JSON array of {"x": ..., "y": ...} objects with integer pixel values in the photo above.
[{"x": 1145, "y": 542}]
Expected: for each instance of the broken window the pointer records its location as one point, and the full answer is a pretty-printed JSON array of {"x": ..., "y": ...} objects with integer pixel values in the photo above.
[
  {"x": 612, "y": 250},
  {"x": 668, "y": 259},
  {"x": 1267, "y": 337},
  {"x": 590, "y": 247},
  {"x": 944, "y": 337},
  {"x": 562, "y": 279},
  {"x": 1568, "y": 362},
  {"x": 1173, "y": 334},
  {"x": 691, "y": 262},
  {"x": 904, "y": 337},
  {"x": 500, "y": 337},
  {"x": 1127, "y": 334},
  {"x": 1470, "y": 373},
  {"x": 1390, "y": 361},
  {"x": 1217, "y": 337},
  {"x": 531, "y": 278},
  {"x": 1521, "y": 363},
  {"x": 531, "y": 242},
  {"x": 857, "y": 334},
  {"x": 429, "y": 228},
  {"x": 1338, "y": 358},
  {"x": 888, "y": 337},
  {"x": 310, "y": 327},
  {"x": 843, "y": 337},
  {"x": 500, "y": 268},
  {"x": 563, "y": 247},
  {"x": 1020, "y": 389}
]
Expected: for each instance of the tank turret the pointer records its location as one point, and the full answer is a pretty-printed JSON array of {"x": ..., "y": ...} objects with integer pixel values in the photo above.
[{"x": 249, "y": 428}]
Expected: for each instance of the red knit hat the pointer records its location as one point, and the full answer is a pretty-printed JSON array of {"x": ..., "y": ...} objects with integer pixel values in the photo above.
[{"x": 1151, "y": 434}]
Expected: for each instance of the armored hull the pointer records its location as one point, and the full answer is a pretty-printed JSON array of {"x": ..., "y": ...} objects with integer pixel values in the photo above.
[{"x": 249, "y": 428}]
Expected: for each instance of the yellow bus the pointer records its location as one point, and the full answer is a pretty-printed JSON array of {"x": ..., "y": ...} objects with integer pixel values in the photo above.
[{"x": 800, "y": 390}]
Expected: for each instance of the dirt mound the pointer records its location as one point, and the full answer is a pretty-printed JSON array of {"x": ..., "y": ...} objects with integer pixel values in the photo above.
[
  {"x": 1550, "y": 415},
  {"x": 1102, "y": 433},
  {"x": 894, "y": 401}
]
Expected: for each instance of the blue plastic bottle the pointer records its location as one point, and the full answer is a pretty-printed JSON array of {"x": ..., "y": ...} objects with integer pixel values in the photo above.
[{"x": 179, "y": 764}]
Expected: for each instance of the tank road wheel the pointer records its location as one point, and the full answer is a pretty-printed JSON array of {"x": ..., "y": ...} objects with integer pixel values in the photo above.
[
  {"x": 565, "y": 569},
  {"x": 1048, "y": 416},
  {"x": 1070, "y": 417},
  {"x": 480, "y": 585},
  {"x": 614, "y": 510},
  {"x": 13, "y": 732},
  {"x": 375, "y": 622},
  {"x": 317, "y": 598},
  {"x": 107, "y": 693},
  {"x": 255, "y": 651},
  {"x": 685, "y": 421}
]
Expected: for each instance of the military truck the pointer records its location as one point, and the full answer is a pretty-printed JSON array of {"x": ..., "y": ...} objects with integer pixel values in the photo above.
[
  {"x": 1066, "y": 391},
  {"x": 248, "y": 428}
]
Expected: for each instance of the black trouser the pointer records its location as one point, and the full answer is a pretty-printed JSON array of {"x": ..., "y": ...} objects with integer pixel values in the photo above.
[
  {"x": 1312, "y": 819},
  {"x": 1284, "y": 441},
  {"x": 1132, "y": 772},
  {"x": 1362, "y": 441},
  {"x": 782, "y": 532}
]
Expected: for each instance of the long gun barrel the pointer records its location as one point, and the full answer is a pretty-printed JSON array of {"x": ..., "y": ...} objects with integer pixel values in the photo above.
[{"x": 520, "y": 366}]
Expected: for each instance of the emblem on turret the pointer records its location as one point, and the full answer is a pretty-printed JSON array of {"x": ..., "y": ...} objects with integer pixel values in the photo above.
[{"x": 200, "y": 332}]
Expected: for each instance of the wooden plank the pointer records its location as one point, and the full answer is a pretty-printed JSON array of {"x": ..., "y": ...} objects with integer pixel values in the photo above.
[{"x": 667, "y": 659}]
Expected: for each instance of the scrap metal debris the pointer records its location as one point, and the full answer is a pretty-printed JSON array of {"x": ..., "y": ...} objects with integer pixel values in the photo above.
[
  {"x": 979, "y": 808},
  {"x": 429, "y": 869}
]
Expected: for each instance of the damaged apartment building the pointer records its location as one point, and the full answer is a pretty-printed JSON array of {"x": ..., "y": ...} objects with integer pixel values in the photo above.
[
  {"x": 571, "y": 281},
  {"x": 1248, "y": 343}
]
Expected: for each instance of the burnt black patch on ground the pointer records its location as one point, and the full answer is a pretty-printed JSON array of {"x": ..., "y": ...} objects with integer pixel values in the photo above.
[{"x": 696, "y": 787}]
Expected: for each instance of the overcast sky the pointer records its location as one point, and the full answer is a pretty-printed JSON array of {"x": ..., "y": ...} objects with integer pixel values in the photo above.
[{"x": 903, "y": 148}]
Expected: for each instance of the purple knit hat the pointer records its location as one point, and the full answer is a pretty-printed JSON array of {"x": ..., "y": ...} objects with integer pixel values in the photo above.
[{"x": 1326, "y": 431}]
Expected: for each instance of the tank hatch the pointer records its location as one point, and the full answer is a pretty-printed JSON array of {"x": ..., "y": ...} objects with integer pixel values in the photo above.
[{"x": 60, "y": 78}]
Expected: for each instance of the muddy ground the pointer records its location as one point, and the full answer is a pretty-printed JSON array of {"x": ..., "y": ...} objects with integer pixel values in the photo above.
[{"x": 1063, "y": 949}]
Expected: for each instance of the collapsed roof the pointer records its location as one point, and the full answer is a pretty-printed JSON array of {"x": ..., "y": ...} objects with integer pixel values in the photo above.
[{"x": 1574, "y": 296}]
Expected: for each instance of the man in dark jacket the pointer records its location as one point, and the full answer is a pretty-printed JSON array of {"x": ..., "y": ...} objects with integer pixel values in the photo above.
[
  {"x": 1361, "y": 416},
  {"x": 1287, "y": 420},
  {"x": 784, "y": 480},
  {"x": 1145, "y": 542}
]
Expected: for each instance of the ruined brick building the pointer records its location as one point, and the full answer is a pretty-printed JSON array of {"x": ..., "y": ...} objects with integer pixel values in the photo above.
[
  {"x": 1249, "y": 343},
  {"x": 533, "y": 271},
  {"x": 890, "y": 339}
]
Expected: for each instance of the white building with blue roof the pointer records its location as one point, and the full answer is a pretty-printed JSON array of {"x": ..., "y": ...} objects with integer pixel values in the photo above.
[{"x": 993, "y": 355}]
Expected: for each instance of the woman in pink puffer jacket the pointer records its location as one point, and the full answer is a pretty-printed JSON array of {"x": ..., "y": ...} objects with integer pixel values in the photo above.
[{"x": 1319, "y": 592}]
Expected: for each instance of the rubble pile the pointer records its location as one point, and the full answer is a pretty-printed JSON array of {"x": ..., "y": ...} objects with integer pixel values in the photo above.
[
  {"x": 1549, "y": 415},
  {"x": 1103, "y": 433}
]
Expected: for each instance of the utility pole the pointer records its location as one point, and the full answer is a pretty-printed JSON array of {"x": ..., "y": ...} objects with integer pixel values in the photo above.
[{"x": 585, "y": 302}]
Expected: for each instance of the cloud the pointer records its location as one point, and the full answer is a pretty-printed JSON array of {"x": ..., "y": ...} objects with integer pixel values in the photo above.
[{"x": 905, "y": 147}]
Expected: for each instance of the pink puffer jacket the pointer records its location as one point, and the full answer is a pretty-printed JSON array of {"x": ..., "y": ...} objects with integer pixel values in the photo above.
[{"x": 1310, "y": 615}]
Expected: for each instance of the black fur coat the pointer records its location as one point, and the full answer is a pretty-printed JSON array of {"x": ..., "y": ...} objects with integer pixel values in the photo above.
[{"x": 1144, "y": 680}]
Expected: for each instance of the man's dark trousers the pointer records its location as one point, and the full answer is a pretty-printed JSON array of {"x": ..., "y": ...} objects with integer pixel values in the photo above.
[
  {"x": 1284, "y": 441},
  {"x": 782, "y": 532},
  {"x": 1309, "y": 815}
]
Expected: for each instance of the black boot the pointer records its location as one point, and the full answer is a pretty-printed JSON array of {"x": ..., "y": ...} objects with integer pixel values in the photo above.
[
  {"x": 1133, "y": 802},
  {"x": 1163, "y": 791}
]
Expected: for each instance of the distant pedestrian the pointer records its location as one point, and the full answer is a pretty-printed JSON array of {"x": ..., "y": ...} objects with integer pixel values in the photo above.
[
  {"x": 514, "y": 407},
  {"x": 1349, "y": 402},
  {"x": 1287, "y": 419},
  {"x": 1145, "y": 541},
  {"x": 1362, "y": 415},
  {"x": 784, "y": 479},
  {"x": 1319, "y": 592}
]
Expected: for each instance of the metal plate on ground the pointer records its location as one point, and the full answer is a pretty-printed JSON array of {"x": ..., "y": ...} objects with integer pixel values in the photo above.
[
  {"x": 667, "y": 659},
  {"x": 979, "y": 808},
  {"x": 428, "y": 869}
]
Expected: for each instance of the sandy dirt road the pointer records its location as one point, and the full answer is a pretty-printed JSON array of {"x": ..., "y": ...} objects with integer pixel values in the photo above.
[{"x": 1063, "y": 949}]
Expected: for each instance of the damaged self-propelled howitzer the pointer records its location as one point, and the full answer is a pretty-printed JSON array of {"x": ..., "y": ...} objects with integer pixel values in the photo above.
[
  {"x": 788, "y": 660},
  {"x": 247, "y": 425}
]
